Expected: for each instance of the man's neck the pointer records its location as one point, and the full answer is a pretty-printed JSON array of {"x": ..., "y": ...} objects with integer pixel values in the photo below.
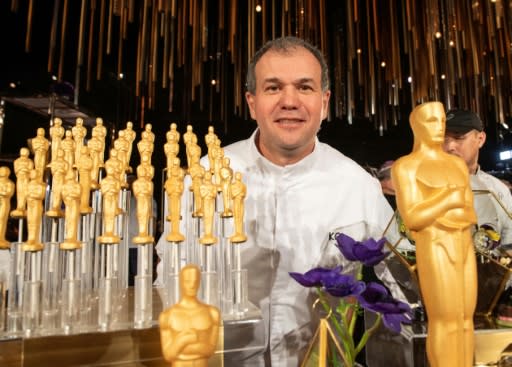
[{"x": 473, "y": 169}]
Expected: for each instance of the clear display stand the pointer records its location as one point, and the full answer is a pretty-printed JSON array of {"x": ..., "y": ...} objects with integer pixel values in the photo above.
[
  {"x": 143, "y": 315},
  {"x": 88, "y": 293},
  {"x": 71, "y": 290},
  {"x": 32, "y": 293},
  {"x": 16, "y": 282},
  {"x": 52, "y": 282},
  {"x": 108, "y": 286}
]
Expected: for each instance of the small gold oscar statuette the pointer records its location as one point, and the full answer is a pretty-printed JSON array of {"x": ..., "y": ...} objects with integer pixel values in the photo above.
[
  {"x": 6, "y": 193},
  {"x": 189, "y": 330}
]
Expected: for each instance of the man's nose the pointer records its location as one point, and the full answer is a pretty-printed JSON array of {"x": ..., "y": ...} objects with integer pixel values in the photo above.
[
  {"x": 449, "y": 145},
  {"x": 289, "y": 98}
]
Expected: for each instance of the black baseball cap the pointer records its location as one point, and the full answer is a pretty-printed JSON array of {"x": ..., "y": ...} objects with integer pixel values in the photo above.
[{"x": 462, "y": 121}]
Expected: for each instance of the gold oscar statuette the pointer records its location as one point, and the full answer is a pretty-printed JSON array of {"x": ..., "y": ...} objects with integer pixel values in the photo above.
[
  {"x": 189, "y": 330},
  {"x": 435, "y": 201}
]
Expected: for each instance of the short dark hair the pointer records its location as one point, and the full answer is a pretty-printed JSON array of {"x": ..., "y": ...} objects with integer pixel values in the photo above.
[{"x": 286, "y": 45}]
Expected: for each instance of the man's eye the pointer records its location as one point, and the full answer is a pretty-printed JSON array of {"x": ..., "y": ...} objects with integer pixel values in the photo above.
[
  {"x": 305, "y": 87},
  {"x": 271, "y": 88}
]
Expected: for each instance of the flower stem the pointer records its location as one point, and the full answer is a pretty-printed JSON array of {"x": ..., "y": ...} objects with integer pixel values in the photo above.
[
  {"x": 344, "y": 334},
  {"x": 368, "y": 333}
]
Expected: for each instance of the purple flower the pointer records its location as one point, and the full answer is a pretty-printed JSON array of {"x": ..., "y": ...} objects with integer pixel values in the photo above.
[
  {"x": 376, "y": 298},
  {"x": 368, "y": 252},
  {"x": 314, "y": 277},
  {"x": 342, "y": 285}
]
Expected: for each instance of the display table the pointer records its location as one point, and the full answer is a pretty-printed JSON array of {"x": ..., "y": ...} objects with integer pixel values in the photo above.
[{"x": 126, "y": 346}]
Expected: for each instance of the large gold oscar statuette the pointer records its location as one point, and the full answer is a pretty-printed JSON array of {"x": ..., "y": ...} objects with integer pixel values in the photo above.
[
  {"x": 6, "y": 193},
  {"x": 71, "y": 195},
  {"x": 238, "y": 192},
  {"x": 435, "y": 201},
  {"x": 36, "y": 190},
  {"x": 189, "y": 330}
]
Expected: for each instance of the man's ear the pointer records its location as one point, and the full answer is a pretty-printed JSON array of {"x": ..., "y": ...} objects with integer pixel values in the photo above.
[
  {"x": 325, "y": 104},
  {"x": 249, "y": 97},
  {"x": 481, "y": 138}
]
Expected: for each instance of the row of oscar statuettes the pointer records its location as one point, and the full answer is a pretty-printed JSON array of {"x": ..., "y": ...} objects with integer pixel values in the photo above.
[{"x": 72, "y": 187}]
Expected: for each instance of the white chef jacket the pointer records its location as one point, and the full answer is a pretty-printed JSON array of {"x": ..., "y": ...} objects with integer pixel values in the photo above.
[
  {"x": 488, "y": 210},
  {"x": 292, "y": 215}
]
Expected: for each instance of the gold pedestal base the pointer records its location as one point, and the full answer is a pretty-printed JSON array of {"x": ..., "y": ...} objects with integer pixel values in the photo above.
[{"x": 109, "y": 238}]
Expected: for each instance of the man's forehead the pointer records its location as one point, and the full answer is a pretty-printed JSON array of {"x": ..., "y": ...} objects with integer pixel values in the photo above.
[{"x": 453, "y": 134}]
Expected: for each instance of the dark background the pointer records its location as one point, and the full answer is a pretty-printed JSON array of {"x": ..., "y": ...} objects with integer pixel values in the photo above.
[{"x": 114, "y": 101}]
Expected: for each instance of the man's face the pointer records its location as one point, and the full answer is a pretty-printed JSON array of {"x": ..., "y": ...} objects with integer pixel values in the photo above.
[
  {"x": 288, "y": 105},
  {"x": 465, "y": 146}
]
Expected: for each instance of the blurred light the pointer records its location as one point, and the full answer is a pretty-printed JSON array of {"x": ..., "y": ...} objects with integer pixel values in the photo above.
[
  {"x": 409, "y": 79},
  {"x": 383, "y": 64},
  {"x": 358, "y": 51},
  {"x": 505, "y": 125},
  {"x": 438, "y": 35},
  {"x": 506, "y": 154},
  {"x": 54, "y": 77},
  {"x": 258, "y": 8},
  {"x": 451, "y": 43},
  {"x": 121, "y": 75},
  {"x": 443, "y": 76},
  {"x": 214, "y": 82},
  {"x": 12, "y": 85}
]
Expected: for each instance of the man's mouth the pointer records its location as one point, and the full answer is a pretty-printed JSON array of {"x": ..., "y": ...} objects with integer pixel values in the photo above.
[{"x": 289, "y": 121}]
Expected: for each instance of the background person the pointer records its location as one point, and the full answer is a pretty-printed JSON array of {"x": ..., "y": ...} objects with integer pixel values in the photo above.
[{"x": 464, "y": 137}]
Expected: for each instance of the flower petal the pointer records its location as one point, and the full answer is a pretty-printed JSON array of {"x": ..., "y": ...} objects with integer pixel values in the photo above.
[
  {"x": 313, "y": 277},
  {"x": 369, "y": 252}
]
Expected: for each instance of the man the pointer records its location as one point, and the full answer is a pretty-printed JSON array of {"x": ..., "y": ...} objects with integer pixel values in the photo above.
[
  {"x": 300, "y": 193},
  {"x": 464, "y": 137}
]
